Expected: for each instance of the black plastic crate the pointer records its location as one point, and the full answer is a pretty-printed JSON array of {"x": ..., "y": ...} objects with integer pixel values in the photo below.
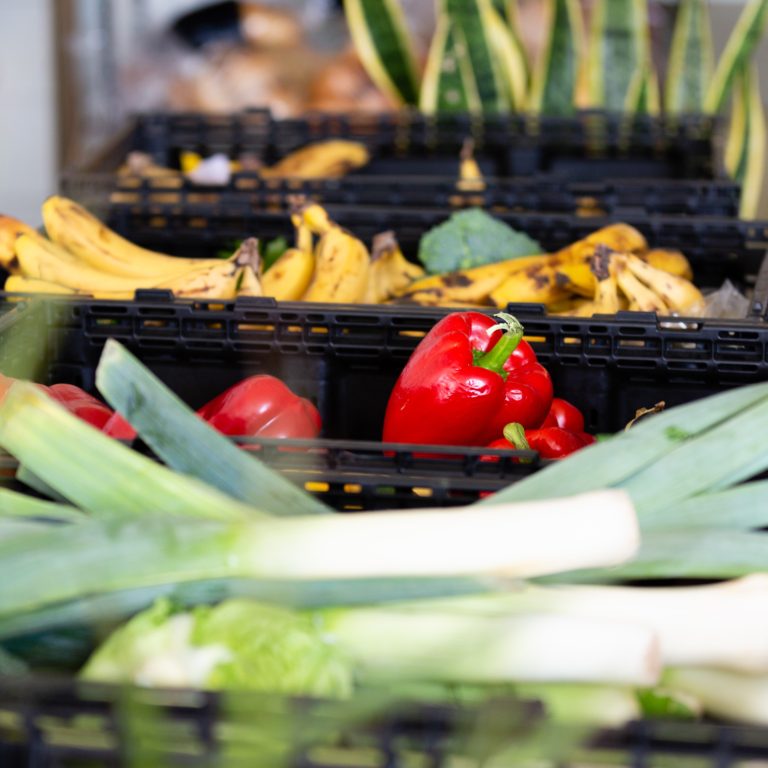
[
  {"x": 59, "y": 724},
  {"x": 533, "y": 163},
  {"x": 347, "y": 358},
  {"x": 718, "y": 247}
]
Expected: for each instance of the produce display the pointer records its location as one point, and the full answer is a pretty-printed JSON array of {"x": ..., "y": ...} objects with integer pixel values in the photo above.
[
  {"x": 480, "y": 262},
  {"x": 272, "y": 591}
]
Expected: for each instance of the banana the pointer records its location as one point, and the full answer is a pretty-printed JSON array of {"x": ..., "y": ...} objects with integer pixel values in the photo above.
[
  {"x": 670, "y": 261},
  {"x": 391, "y": 273},
  {"x": 641, "y": 298},
  {"x": 603, "y": 266},
  {"x": 73, "y": 227},
  {"x": 577, "y": 277},
  {"x": 470, "y": 175},
  {"x": 342, "y": 265},
  {"x": 535, "y": 285},
  {"x": 679, "y": 294},
  {"x": 488, "y": 275},
  {"x": 618, "y": 237},
  {"x": 289, "y": 277},
  {"x": 10, "y": 229},
  {"x": 324, "y": 159},
  {"x": 19, "y": 284},
  {"x": 43, "y": 259}
]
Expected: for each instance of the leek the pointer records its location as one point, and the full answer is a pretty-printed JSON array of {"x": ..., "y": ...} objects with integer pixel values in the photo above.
[
  {"x": 111, "y": 608},
  {"x": 96, "y": 472},
  {"x": 385, "y": 644},
  {"x": 740, "y": 508},
  {"x": 507, "y": 540},
  {"x": 724, "y": 624},
  {"x": 14, "y": 504},
  {"x": 684, "y": 554},
  {"x": 727, "y": 695},
  {"x": 187, "y": 443}
]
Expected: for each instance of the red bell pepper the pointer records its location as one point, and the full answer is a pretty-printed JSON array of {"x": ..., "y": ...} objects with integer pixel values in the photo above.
[
  {"x": 91, "y": 410},
  {"x": 549, "y": 442},
  {"x": 263, "y": 406},
  {"x": 468, "y": 378},
  {"x": 564, "y": 415}
]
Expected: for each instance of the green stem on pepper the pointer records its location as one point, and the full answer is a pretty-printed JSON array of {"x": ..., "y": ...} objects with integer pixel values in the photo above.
[
  {"x": 495, "y": 359},
  {"x": 515, "y": 434}
]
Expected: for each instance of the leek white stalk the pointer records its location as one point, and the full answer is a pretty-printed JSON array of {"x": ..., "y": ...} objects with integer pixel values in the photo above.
[
  {"x": 384, "y": 643},
  {"x": 734, "y": 696},
  {"x": 513, "y": 540},
  {"x": 521, "y": 540},
  {"x": 723, "y": 625}
]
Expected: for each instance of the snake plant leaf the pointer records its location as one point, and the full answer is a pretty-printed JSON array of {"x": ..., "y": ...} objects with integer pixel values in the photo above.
[
  {"x": 511, "y": 58},
  {"x": 745, "y": 152},
  {"x": 557, "y": 74},
  {"x": 380, "y": 36},
  {"x": 619, "y": 47},
  {"x": 643, "y": 97},
  {"x": 738, "y": 128},
  {"x": 739, "y": 49},
  {"x": 470, "y": 19},
  {"x": 448, "y": 84},
  {"x": 691, "y": 59}
]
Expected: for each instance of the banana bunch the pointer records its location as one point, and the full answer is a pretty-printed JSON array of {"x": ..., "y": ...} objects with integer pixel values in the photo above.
[
  {"x": 327, "y": 264},
  {"x": 82, "y": 256},
  {"x": 627, "y": 281}
]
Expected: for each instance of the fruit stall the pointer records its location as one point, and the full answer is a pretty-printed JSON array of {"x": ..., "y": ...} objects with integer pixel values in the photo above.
[{"x": 403, "y": 407}]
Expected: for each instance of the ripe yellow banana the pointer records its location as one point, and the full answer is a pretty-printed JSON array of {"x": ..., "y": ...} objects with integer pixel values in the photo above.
[
  {"x": 679, "y": 294},
  {"x": 43, "y": 259},
  {"x": 618, "y": 237},
  {"x": 476, "y": 283},
  {"x": 323, "y": 159},
  {"x": 313, "y": 217},
  {"x": 289, "y": 277},
  {"x": 641, "y": 298},
  {"x": 73, "y": 227},
  {"x": 342, "y": 265},
  {"x": 670, "y": 261},
  {"x": 19, "y": 284},
  {"x": 577, "y": 277},
  {"x": 391, "y": 273},
  {"x": 535, "y": 285},
  {"x": 10, "y": 229}
]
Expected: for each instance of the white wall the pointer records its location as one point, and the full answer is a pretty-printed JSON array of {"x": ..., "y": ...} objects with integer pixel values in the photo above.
[{"x": 27, "y": 107}]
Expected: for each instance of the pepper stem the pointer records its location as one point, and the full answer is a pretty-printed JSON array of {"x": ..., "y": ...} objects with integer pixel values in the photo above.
[
  {"x": 515, "y": 434},
  {"x": 495, "y": 358}
]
